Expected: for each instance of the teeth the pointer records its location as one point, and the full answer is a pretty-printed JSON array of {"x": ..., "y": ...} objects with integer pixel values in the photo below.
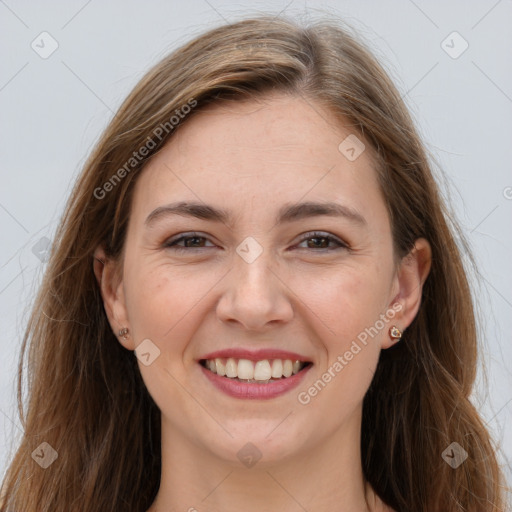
[
  {"x": 287, "y": 368},
  {"x": 277, "y": 368},
  {"x": 231, "y": 368},
  {"x": 245, "y": 369},
  {"x": 261, "y": 371},
  {"x": 221, "y": 368}
]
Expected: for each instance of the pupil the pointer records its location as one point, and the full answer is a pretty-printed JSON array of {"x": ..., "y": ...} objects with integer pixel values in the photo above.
[
  {"x": 190, "y": 239},
  {"x": 318, "y": 238}
]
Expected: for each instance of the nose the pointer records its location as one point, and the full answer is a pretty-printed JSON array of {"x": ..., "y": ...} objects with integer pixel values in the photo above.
[{"x": 255, "y": 295}]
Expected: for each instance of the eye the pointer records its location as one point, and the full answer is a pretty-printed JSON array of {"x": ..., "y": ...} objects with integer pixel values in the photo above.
[
  {"x": 190, "y": 240},
  {"x": 322, "y": 240}
]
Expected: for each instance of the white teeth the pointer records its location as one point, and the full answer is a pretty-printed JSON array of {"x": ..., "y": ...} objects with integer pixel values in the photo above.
[
  {"x": 231, "y": 368},
  {"x": 277, "y": 368},
  {"x": 245, "y": 369},
  {"x": 287, "y": 368},
  {"x": 248, "y": 370},
  {"x": 211, "y": 365},
  {"x": 262, "y": 370},
  {"x": 221, "y": 368}
]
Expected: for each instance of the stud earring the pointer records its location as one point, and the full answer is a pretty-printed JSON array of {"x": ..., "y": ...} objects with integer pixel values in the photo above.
[
  {"x": 395, "y": 333},
  {"x": 123, "y": 333}
]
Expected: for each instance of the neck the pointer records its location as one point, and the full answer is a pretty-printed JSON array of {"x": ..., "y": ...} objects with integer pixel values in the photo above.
[{"x": 326, "y": 477}]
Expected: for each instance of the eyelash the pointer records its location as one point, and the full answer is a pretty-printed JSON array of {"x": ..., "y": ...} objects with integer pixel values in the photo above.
[{"x": 170, "y": 244}]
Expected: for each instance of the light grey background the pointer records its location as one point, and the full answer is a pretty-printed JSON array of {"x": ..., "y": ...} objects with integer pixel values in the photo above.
[{"x": 54, "y": 109}]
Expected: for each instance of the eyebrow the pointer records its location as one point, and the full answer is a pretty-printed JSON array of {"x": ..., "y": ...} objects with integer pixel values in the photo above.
[{"x": 287, "y": 213}]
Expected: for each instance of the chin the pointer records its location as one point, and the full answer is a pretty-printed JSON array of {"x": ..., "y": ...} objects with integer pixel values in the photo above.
[{"x": 263, "y": 444}]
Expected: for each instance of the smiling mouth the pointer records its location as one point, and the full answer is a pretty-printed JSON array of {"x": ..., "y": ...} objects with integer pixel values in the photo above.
[{"x": 257, "y": 372}]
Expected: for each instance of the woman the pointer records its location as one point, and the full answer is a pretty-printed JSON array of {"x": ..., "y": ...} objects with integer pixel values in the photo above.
[{"x": 255, "y": 300}]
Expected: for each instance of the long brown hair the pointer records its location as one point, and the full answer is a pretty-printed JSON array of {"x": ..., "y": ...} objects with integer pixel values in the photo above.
[{"x": 86, "y": 397}]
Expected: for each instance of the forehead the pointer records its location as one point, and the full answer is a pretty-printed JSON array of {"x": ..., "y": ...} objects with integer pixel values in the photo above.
[{"x": 260, "y": 153}]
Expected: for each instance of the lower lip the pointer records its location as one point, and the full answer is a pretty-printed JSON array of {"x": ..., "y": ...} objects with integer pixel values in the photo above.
[{"x": 255, "y": 391}]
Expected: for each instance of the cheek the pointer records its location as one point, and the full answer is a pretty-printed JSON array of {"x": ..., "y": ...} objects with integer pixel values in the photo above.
[
  {"x": 156, "y": 300},
  {"x": 342, "y": 385},
  {"x": 349, "y": 303},
  {"x": 346, "y": 299},
  {"x": 165, "y": 302}
]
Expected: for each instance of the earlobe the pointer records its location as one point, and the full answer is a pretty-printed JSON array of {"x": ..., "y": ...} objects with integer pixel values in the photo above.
[
  {"x": 111, "y": 289},
  {"x": 410, "y": 278}
]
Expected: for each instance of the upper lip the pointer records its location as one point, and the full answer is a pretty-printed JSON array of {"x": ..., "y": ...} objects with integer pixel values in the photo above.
[{"x": 255, "y": 355}]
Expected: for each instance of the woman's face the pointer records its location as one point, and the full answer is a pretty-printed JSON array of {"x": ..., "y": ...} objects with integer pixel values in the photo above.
[{"x": 269, "y": 282}]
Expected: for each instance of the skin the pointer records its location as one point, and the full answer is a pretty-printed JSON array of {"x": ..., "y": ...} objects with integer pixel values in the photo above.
[{"x": 252, "y": 157}]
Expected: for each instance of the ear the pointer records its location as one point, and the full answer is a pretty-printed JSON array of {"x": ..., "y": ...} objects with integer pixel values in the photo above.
[
  {"x": 408, "y": 283},
  {"x": 110, "y": 282}
]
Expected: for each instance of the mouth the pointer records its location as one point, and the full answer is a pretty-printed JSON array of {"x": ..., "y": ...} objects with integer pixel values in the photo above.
[
  {"x": 263, "y": 371},
  {"x": 258, "y": 375}
]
